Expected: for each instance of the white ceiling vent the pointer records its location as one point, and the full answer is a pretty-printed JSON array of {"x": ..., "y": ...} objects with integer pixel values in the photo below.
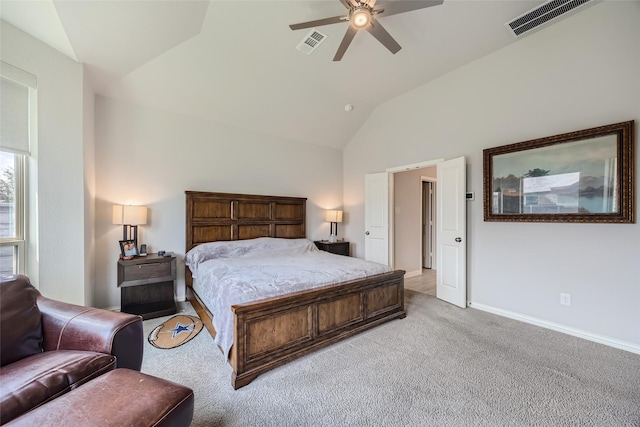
[
  {"x": 311, "y": 42},
  {"x": 542, "y": 14}
]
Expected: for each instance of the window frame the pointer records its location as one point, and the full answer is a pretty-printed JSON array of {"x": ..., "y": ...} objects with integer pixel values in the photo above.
[
  {"x": 21, "y": 172},
  {"x": 17, "y": 241}
]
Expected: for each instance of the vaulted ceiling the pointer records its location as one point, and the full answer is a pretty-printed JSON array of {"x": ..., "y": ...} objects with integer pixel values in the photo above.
[{"x": 236, "y": 62}]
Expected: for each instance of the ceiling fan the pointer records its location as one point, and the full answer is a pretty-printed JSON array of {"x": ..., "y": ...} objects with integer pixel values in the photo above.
[{"x": 362, "y": 16}]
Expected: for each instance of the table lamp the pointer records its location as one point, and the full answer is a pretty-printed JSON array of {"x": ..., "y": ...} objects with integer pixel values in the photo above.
[
  {"x": 130, "y": 217},
  {"x": 334, "y": 217}
]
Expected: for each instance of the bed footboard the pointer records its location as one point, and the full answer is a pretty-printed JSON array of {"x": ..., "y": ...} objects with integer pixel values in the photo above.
[{"x": 271, "y": 332}]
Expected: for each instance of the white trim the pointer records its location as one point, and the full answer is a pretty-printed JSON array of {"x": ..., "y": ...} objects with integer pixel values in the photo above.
[
  {"x": 19, "y": 213},
  {"x": 17, "y": 75},
  {"x": 413, "y": 273},
  {"x": 391, "y": 220},
  {"x": 412, "y": 166},
  {"x": 601, "y": 339},
  {"x": 434, "y": 241}
]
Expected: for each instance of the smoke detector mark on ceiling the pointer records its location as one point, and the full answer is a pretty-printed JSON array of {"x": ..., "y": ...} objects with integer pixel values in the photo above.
[
  {"x": 311, "y": 42},
  {"x": 542, "y": 14}
]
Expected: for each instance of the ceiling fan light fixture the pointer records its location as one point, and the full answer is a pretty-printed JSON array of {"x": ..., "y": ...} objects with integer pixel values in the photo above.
[{"x": 360, "y": 17}]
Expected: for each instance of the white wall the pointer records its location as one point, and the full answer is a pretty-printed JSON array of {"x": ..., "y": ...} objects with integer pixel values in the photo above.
[
  {"x": 61, "y": 214},
  {"x": 150, "y": 157},
  {"x": 578, "y": 73},
  {"x": 89, "y": 161}
]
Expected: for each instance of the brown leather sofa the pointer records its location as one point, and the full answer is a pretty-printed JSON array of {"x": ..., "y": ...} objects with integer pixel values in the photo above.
[{"x": 48, "y": 348}]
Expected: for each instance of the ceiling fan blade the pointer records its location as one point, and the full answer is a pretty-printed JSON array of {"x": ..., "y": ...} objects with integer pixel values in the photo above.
[
  {"x": 346, "y": 41},
  {"x": 377, "y": 30},
  {"x": 319, "y": 22},
  {"x": 346, "y": 4},
  {"x": 401, "y": 6}
]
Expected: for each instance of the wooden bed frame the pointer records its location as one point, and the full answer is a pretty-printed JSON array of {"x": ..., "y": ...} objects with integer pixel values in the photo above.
[{"x": 270, "y": 332}]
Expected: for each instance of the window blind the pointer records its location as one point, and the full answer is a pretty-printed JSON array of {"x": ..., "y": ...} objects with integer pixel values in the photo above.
[{"x": 14, "y": 108}]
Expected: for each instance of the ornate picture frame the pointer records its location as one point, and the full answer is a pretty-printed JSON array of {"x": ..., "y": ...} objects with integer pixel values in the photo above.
[{"x": 583, "y": 176}]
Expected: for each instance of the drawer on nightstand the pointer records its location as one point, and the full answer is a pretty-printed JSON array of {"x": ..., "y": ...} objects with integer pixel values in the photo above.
[
  {"x": 152, "y": 270},
  {"x": 143, "y": 271}
]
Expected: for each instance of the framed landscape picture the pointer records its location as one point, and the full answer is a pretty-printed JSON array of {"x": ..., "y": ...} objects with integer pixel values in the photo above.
[{"x": 583, "y": 176}]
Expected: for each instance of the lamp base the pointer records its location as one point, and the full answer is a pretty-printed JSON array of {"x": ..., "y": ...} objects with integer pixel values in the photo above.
[{"x": 333, "y": 238}]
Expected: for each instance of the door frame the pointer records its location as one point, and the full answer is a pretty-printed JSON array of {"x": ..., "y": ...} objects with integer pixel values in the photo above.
[
  {"x": 392, "y": 172},
  {"x": 441, "y": 165},
  {"x": 432, "y": 234}
]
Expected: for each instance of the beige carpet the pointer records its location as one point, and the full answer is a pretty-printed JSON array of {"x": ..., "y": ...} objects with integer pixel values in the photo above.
[{"x": 440, "y": 366}]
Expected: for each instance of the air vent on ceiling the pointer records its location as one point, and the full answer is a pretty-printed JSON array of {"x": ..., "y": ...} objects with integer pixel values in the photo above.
[
  {"x": 311, "y": 42},
  {"x": 542, "y": 14}
]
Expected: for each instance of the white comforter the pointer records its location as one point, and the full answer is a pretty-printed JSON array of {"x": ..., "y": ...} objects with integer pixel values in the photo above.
[{"x": 229, "y": 273}]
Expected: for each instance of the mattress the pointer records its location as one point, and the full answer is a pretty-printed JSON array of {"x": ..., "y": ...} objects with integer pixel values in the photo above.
[{"x": 241, "y": 271}]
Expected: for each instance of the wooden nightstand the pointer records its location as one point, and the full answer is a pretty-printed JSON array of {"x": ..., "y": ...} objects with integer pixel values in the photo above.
[
  {"x": 338, "y": 248},
  {"x": 146, "y": 285}
]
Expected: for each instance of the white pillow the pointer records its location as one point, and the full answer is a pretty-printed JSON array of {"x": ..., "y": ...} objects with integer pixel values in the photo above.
[{"x": 241, "y": 248}]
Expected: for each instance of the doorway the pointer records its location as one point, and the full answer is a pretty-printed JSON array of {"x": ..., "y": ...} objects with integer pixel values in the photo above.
[
  {"x": 414, "y": 234},
  {"x": 426, "y": 282},
  {"x": 451, "y": 225}
]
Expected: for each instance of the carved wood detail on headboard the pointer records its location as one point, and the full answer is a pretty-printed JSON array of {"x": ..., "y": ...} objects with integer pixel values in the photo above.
[{"x": 212, "y": 217}]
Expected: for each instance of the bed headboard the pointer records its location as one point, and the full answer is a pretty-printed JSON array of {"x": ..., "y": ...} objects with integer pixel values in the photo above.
[{"x": 212, "y": 217}]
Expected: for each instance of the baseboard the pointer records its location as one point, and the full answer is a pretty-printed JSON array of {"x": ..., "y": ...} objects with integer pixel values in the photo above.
[
  {"x": 413, "y": 274},
  {"x": 611, "y": 342}
]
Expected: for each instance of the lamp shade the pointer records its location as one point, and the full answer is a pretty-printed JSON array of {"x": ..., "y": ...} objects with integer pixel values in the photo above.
[
  {"x": 129, "y": 215},
  {"x": 333, "y": 216}
]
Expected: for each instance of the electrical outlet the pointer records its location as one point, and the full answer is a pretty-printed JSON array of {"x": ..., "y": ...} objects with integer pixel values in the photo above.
[{"x": 565, "y": 299}]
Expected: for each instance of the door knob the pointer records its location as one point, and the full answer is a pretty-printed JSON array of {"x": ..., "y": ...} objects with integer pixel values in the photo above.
[
  {"x": 366, "y": 233},
  {"x": 458, "y": 239}
]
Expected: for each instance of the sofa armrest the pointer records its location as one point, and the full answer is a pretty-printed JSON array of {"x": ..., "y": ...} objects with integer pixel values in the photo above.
[{"x": 73, "y": 327}]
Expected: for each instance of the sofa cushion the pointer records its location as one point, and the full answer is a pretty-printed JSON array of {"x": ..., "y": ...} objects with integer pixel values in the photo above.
[
  {"x": 20, "y": 320},
  {"x": 37, "y": 379},
  {"x": 122, "y": 397}
]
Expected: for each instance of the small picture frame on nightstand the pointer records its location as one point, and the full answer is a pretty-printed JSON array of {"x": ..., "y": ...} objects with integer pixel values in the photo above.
[{"x": 128, "y": 249}]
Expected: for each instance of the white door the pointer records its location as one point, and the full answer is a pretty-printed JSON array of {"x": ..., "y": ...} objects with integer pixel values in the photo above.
[
  {"x": 451, "y": 285},
  {"x": 376, "y": 217}
]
